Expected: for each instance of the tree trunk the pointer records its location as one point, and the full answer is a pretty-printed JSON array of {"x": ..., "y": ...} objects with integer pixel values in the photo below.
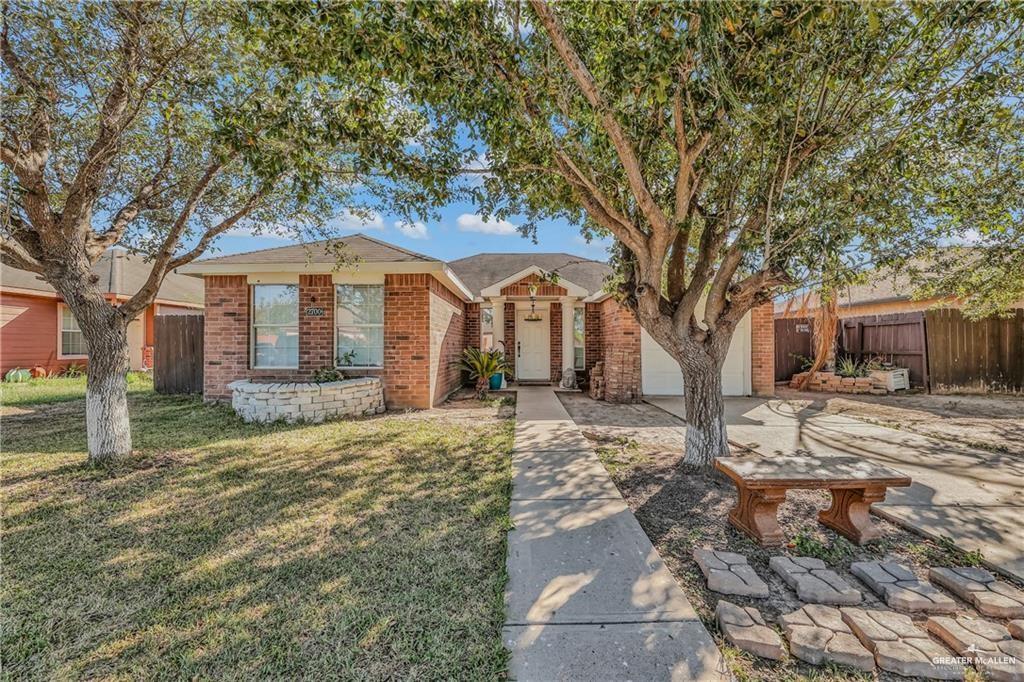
[
  {"x": 106, "y": 396},
  {"x": 705, "y": 410}
]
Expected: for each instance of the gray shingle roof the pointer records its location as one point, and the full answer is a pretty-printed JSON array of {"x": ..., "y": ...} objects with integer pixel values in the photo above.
[
  {"x": 119, "y": 273},
  {"x": 368, "y": 249},
  {"x": 482, "y": 270}
]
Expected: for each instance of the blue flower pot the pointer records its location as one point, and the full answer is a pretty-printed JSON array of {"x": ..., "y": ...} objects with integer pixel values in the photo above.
[{"x": 495, "y": 381}]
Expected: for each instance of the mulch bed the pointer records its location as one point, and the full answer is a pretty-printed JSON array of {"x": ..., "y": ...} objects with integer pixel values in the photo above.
[{"x": 681, "y": 511}]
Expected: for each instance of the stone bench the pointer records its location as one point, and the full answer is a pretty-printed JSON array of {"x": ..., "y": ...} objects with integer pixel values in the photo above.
[{"x": 761, "y": 484}]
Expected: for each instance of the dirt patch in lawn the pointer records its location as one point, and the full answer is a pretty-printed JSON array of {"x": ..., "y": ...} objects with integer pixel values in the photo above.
[
  {"x": 989, "y": 422},
  {"x": 683, "y": 511}
]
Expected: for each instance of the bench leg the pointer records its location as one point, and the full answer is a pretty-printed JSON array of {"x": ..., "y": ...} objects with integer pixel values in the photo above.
[
  {"x": 756, "y": 512},
  {"x": 849, "y": 515}
]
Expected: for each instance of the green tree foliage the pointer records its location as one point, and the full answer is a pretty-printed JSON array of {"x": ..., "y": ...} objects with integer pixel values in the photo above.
[
  {"x": 159, "y": 126},
  {"x": 731, "y": 149}
]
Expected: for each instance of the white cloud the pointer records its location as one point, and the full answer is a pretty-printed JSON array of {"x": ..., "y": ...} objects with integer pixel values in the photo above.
[
  {"x": 471, "y": 222},
  {"x": 413, "y": 230},
  {"x": 346, "y": 219}
]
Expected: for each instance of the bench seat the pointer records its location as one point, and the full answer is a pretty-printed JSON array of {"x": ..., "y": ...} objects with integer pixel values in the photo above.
[{"x": 762, "y": 482}]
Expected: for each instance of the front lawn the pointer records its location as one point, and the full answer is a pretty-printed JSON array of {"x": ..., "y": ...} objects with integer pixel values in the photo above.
[
  {"x": 61, "y": 389},
  {"x": 367, "y": 549}
]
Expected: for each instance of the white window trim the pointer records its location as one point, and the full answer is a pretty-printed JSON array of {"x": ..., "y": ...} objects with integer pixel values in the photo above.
[
  {"x": 60, "y": 337},
  {"x": 253, "y": 326},
  {"x": 583, "y": 347},
  {"x": 334, "y": 348}
]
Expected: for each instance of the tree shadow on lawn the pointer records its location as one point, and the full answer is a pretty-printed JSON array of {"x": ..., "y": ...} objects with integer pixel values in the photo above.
[{"x": 363, "y": 549}]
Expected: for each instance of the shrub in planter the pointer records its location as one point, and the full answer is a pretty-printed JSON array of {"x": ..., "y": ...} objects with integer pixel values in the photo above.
[{"x": 482, "y": 365}]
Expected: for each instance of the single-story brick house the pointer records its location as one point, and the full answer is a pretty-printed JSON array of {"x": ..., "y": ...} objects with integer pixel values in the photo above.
[
  {"x": 283, "y": 313},
  {"x": 38, "y": 330}
]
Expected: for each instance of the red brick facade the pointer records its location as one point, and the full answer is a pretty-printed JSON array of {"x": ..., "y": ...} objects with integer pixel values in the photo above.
[
  {"x": 591, "y": 336},
  {"x": 225, "y": 334},
  {"x": 762, "y": 350},
  {"x": 447, "y": 339},
  {"x": 555, "y": 321},
  {"x": 424, "y": 329},
  {"x": 317, "y": 350},
  {"x": 472, "y": 325},
  {"x": 620, "y": 341}
]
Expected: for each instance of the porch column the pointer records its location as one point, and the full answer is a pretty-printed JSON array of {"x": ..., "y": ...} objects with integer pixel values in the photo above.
[{"x": 567, "y": 335}]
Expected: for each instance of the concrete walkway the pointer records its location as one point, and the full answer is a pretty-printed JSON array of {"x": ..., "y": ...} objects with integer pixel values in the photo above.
[
  {"x": 588, "y": 595},
  {"x": 975, "y": 497}
]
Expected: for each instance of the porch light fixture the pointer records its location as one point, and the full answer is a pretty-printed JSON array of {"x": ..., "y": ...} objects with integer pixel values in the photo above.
[{"x": 533, "y": 316}]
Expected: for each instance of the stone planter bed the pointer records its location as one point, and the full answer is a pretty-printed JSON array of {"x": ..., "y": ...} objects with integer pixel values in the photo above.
[
  {"x": 306, "y": 401},
  {"x": 830, "y": 382}
]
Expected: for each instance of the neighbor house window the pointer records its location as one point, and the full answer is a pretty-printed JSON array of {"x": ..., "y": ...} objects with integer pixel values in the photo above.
[
  {"x": 578, "y": 327},
  {"x": 72, "y": 341},
  {"x": 360, "y": 320},
  {"x": 275, "y": 326}
]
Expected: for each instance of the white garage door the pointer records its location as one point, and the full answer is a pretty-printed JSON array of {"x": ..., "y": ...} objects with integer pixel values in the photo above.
[{"x": 660, "y": 373}]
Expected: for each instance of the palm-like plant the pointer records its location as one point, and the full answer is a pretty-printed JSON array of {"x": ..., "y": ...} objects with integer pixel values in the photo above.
[{"x": 482, "y": 365}]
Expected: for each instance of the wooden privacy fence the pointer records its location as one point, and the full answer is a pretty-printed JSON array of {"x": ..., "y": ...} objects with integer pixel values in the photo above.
[
  {"x": 899, "y": 338},
  {"x": 975, "y": 355},
  {"x": 178, "y": 353},
  {"x": 793, "y": 340}
]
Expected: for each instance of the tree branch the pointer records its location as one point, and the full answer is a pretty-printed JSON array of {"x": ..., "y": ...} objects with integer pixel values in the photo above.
[
  {"x": 12, "y": 256},
  {"x": 161, "y": 264},
  {"x": 623, "y": 146},
  {"x": 113, "y": 119}
]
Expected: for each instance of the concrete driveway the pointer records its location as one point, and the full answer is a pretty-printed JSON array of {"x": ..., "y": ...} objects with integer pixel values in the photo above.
[{"x": 973, "y": 496}]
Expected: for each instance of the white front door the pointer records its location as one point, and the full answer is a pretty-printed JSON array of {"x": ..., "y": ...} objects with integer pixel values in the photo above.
[{"x": 533, "y": 346}]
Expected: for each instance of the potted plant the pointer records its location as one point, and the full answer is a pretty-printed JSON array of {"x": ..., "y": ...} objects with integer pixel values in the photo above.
[{"x": 482, "y": 365}]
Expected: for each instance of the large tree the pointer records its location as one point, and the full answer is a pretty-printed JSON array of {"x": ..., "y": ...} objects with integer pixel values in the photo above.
[
  {"x": 154, "y": 125},
  {"x": 730, "y": 148}
]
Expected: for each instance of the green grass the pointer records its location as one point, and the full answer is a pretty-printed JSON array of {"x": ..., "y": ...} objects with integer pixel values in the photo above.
[
  {"x": 61, "y": 389},
  {"x": 364, "y": 549}
]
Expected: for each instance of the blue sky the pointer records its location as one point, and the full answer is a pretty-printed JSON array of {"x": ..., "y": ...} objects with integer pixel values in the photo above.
[{"x": 460, "y": 232}]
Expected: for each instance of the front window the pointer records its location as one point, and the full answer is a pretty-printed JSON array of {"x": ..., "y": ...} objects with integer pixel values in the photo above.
[
  {"x": 72, "y": 340},
  {"x": 578, "y": 330},
  {"x": 275, "y": 326},
  {"x": 360, "y": 320}
]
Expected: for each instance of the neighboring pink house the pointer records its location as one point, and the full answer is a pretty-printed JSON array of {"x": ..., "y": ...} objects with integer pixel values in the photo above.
[
  {"x": 281, "y": 314},
  {"x": 38, "y": 330}
]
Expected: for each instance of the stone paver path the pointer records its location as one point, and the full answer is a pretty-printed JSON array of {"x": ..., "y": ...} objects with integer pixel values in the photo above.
[
  {"x": 900, "y": 646},
  {"x": 987, "y": 644},
  {"x": 813, "y": 581},
  {"x": 588, "y": 596},
  {"x": 729, "y": 573},
  {"x": 980, "y": 589},
  {"x": 1016, "y": 628},
  {"x": 973, "y": 496},
  {"x": 818, "y": 635},
  {"x": 746, "y": 629},
  {"x": 901, "y": 589}
]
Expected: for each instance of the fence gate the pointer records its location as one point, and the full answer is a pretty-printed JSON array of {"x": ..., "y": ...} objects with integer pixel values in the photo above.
[
  {"x": 793, "y": 337},
  {"x": 899, "y": 338},
  {"x": 178, "y": 353}
]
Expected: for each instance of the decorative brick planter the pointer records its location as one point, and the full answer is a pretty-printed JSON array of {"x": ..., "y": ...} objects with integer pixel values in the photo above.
[
  {"x": 311, "y": 402},
  {"x": 833, "y": 383}
]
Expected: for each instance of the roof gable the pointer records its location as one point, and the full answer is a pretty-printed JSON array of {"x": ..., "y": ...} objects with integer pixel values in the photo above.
[
  {"x": 366, "y": 249},
  {"x": 485, "y": 270}
]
